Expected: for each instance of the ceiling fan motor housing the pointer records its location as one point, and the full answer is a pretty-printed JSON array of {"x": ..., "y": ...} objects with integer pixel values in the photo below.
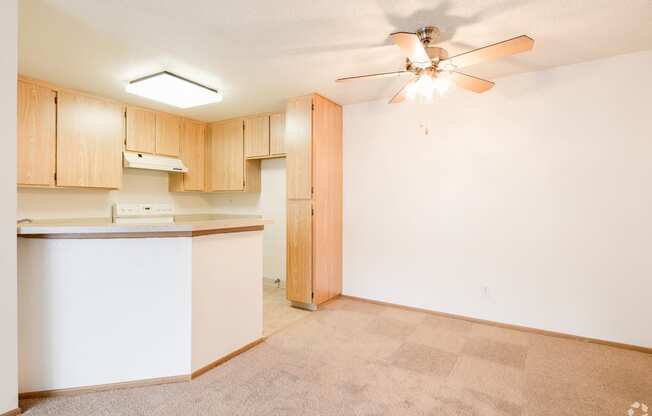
[{"x": 428, "y": 35}]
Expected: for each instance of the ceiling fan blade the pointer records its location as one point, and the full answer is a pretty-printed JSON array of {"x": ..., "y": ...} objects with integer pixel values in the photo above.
[
  {"x": 470, "y": 83},
  {"x": 411, "y": 45},
  {"x": 497, "y": 50},
  {"x": 380, "y": 75},
  {"x": 402, "y": 94}
]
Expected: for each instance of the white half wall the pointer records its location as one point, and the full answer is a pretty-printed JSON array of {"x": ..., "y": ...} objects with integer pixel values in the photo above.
[
  {"x": 227, "y": 294},
  {"x": 103, "y": 311},
  {"x": 8, "y": 296},
  {"x": 527, "y": 205}
]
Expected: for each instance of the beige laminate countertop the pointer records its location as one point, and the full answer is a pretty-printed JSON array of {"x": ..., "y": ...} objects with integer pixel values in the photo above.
[{"x": 183, "y": 226}]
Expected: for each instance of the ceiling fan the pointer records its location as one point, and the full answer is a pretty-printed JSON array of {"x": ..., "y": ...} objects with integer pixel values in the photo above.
[{"x": 433, "y": 70}]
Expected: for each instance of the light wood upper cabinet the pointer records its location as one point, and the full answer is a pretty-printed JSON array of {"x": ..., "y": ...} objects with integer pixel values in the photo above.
[
  {"x": 256, "y": 136},
  {"x": 227, "y": 169},
  {"x": 193, "y": 149},
  {"x": 264, "y": 136},
  {"x": 168, "y": 134},
  {"x": 36, "y": 134},
  {"x": 298, "y": 147},
  {"x": 252, "y": 176},
  {"x": 277, "y": 134},
  {"x": 193, "y": 146},
  {"x": 141, "y": 130},
  {"x": 226, "y": 156},
  {"x": 90, "y": 132}
]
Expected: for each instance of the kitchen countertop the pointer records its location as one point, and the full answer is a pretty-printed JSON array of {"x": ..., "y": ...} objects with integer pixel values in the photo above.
[{"x": 183, "y": 226}]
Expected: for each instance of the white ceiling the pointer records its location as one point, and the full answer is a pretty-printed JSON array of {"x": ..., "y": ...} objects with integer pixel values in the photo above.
[{"x": 260, "y": 52}]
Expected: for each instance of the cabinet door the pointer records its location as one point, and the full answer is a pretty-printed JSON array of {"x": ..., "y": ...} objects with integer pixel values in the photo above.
[
  {"x": 192, "y": 154},
  {"x": 226, "y": 155},
  {"x": 256, "y": 133},
  {"x": 277, "y": 134},
  {"x": 141, "y": 130},
  {"x": 327, "y": 199},
  {"x": 299, "y": 251},
  {"x": 168, "y": 134},
  {"x": 298, "y": 129},
  {"x": 89, "y": 142},
  {"x": 36, "y": 134},
  {"x": 252, "y": 175}
]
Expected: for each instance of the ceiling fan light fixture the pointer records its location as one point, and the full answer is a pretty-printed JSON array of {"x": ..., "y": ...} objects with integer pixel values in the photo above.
[
  {"x": 442, "y": 84},
  {"x": 425, "y": 87},
  {"x": 422, "y": 88},
  {"x": 174, "y": 90}
]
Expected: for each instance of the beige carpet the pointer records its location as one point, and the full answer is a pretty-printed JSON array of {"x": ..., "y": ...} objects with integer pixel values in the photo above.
[{"x": 356, "y": 358}]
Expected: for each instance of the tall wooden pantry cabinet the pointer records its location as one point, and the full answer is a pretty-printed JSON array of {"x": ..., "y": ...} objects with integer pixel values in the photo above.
[{"x": 313, "y": 143}]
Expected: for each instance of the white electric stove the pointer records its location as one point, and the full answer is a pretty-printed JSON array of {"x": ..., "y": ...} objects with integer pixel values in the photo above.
[{"x": 143, "y": 213}]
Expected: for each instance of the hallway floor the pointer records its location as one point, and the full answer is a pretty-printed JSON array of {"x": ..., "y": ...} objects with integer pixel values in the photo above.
[
  {"x": 357, "y": 358},
  {"x": 277, "y": 312}
]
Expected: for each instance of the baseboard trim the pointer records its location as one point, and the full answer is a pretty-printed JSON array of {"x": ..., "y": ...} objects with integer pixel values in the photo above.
[
  {"x": 14, "y": 412},
  {"x": 327, "y": 301},
  {"x": 631, "y": 347},
  {"x": 312, "y": 307},
  {"x": 131, "y": 384},
  {"x": 102, "y": 387},
  {"x": 226, "y": 358},
  {"x": 306, "y": 306}
]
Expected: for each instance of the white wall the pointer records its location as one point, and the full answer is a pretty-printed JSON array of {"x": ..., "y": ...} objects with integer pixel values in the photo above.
[
  {"x": 538, "y": 190},
  {"x": 271, "y": 204},
  {"x": 8, "y": 343},
  {"x": 141, "y": 186}
]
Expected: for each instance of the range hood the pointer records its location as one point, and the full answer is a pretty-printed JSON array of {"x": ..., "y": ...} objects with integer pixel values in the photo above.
[{"x": 153, "y": 162}]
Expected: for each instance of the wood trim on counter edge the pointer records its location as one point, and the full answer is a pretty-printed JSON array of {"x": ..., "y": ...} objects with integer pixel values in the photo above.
[
  {"x": 14, "y": 412},
  {"x": 103, "y": 387},
  {"x": 199, "y": 233},
  {"x": 631, "y": 347},
  {"x": 226, "y": 358},
  {"x": 160, "y": 234}
]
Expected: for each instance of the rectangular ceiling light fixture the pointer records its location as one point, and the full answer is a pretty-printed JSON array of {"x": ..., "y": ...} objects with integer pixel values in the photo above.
[{"x": 173, "y": 90}]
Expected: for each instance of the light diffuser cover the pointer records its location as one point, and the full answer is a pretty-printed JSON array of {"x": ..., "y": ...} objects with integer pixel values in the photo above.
[{"x": 174, "y": 90}]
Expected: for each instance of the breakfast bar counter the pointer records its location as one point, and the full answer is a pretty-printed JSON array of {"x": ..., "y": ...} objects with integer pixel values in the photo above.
[
  {"x": 183, "y": 226},
  {"x": 104, "y": 305}
]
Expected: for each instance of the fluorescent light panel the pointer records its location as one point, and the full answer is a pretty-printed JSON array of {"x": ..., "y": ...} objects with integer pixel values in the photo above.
[{"x": 174, "y": 90}]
